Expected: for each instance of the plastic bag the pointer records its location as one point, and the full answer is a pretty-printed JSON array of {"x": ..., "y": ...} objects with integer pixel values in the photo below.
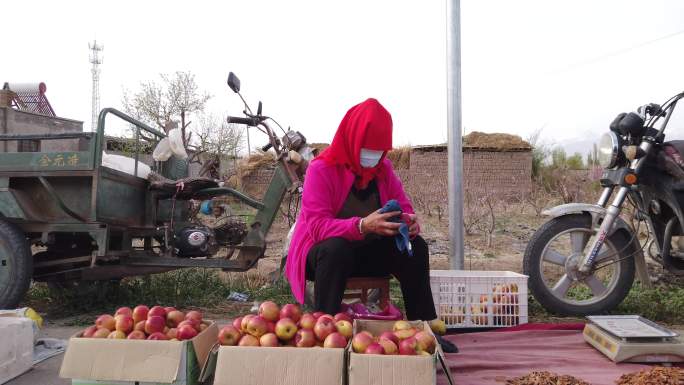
[
  {"x": 25, "y": 312},
  {"x": 163, "y": 151},
  {"x": 125, "y": 164},
  {"x": 360, "y": 311},
  {"x": 176, "y": 143}
]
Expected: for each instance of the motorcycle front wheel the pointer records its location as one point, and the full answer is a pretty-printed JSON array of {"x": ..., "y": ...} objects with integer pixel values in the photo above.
[{"x": 552, "y": 258}]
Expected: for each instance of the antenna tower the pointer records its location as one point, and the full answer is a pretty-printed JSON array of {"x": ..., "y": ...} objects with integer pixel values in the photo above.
[{"x": 95, "y": 60}]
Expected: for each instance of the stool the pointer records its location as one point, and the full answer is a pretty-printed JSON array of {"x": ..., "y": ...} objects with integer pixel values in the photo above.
[{"x": 361, "y": 286}]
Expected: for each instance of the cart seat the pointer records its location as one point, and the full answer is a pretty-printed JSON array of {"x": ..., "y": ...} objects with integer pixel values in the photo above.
[{"x": 184, "y": 188}]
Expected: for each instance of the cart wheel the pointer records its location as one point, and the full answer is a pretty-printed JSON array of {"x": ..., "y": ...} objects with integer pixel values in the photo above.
[{"x": 16, "y": 265}]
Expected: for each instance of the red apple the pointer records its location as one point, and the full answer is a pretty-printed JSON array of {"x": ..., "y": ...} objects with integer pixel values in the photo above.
[
  {"x": 342, "y": 316},
  {"x": 269, "y": 311},
  {"x": 291, "y": 311},
  {"x": 172, "y": 333},
  {"x": 195, "y": 315},
  {"x": 390, "y": 336},
  {"x": 124, "y": 310},
  {"x": 405, "y": 333},
  {"x": 101, "y": 333},
  {"x": 157, "y": 311},
  {"x": 361, "y": 341},
  {"x": 140, "y": 313},
  {"x": 248, "y": 340},
  {"x": 257, "y": 327},
  {"x": 106, "y": 321},
  {"x": 324, "y": 326},
  {"x": 326, "y": 315},
  {"x": 401, "y": 325},
  {"x": 245, "y": 321},
  {"x": 157, "y": 336},
  {"x": 317, "y": 314},
  {"x": 229, "y": 335},
  {"x": 140, "y": 326},
  {"x": 369, "y": 334},
  {"x": 307, "y": 321},
  {"x": 305, "y": 338},
  {"x": 426, "y": 342},
  {"x": 169, "y": 309},
  {"x": 191, "y": 322},
  {"x": 389, "y": 346},
  {"x": 186, "y": 332},
  {"x": 124, "y": 323},
  {"x": 408, "y": 347},
  {"x": 174, "y": 317},
  {"x": 270, "y": 327},
  {"x": 269, "y": 340},
  {"x": 154, "y": 324},
  {"x": 344, "y": 327},
  {"x": 375, "y": 348},
  {"x": 89, "y": 331},
  {"x": 285, "y": 329},
  {"x": 335, "y": 340},
  {"x": 136, "y": 335},
  {"x": 237, "y": 323},
  {"x": 117, "y": 335}
]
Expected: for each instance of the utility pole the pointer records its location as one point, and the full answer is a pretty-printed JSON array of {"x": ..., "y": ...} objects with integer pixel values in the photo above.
[
  {"x": 455, "y": 161},
  {"x": 95, "y": 60}
]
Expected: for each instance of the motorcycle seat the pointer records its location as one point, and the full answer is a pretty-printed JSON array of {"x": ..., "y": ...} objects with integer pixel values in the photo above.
[{"x": 184, "y": 188}]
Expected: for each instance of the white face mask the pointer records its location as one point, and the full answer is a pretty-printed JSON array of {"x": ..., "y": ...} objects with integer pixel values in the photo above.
[{"x": 370, "y": 158}]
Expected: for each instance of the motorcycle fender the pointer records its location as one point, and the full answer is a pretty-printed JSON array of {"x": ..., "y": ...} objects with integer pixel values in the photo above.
[{"x": 597, "y": 212}]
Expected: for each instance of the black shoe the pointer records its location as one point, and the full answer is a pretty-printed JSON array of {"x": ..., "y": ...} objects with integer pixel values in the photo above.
[{"x": 447, "y": 347}]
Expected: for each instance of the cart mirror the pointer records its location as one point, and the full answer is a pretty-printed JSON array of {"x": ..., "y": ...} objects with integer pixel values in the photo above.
[
  {"x": 259, "y": 109},
  {"x": 233, "y": 82}
]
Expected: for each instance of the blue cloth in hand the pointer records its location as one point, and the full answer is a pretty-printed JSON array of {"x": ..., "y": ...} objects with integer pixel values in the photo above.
[{"x": 402, "y": 239}]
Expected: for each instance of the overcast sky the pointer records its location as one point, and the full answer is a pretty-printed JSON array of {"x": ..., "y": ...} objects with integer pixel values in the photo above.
[{"x": 567, "y": 67}]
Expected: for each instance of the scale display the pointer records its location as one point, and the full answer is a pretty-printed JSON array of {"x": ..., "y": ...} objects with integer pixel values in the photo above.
[{"x": 631, "y": 326}]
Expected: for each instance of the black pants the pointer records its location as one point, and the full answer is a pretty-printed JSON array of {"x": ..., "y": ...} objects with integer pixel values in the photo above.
[{"x": 330, "y": 262}]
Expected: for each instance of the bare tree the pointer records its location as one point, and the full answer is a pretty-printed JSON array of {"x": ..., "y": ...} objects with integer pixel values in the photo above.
[
  {"x": 216, "y": 138},
  {"x": 176, "y": 97}
]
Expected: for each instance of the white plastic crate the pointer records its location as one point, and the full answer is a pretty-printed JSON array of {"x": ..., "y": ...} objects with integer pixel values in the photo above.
[{"x": 479, "y": 299}]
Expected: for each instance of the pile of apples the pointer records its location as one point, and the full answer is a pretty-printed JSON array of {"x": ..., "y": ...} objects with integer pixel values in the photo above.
[
  {"x": 158, "y": 323},
  {"x": 404, "y": 339},
  {"x": 287, "y": 326},
  {"x": 502, "y": 303}
]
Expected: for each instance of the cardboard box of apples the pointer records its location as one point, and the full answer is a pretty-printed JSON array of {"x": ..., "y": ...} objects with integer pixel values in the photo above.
[{"x": 158, "y": 345}]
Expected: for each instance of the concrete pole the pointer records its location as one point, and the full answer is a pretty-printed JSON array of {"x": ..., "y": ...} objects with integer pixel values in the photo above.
[{"x": 455, "y": 161}]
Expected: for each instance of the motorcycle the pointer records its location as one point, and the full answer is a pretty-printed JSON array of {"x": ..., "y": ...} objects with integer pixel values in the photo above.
[{"x": 585, "y": 258}]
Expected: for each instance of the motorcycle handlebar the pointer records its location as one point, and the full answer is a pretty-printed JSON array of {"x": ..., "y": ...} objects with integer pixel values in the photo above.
[{"x": 247, "y": 121}]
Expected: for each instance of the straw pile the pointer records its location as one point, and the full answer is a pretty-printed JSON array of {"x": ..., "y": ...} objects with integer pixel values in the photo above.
[
  {"x": 256, "y": 162},
  {"x": 501, "y": 142},
  {"x": 654, "y": 376},
  {"x": 545, "y": 378}
]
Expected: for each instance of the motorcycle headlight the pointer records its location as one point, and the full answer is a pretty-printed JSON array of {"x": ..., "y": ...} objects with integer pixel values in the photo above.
[{"x": 608, "y": 148}]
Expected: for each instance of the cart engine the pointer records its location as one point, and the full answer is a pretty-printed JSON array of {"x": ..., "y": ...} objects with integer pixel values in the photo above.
[{"x": 193, "y": 241}]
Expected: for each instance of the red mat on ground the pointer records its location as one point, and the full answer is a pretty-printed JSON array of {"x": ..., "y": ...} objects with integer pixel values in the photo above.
[{"x": 492, "y": 357}]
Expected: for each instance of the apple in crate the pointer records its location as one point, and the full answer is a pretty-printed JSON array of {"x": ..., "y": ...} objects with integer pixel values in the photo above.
[
  {"x": 361, "y": 341},
  {"x": 408, "y": 347},
  {"x": 342, "y": 316},
  {"x": 157, "y": 311},
  {"x": 389, "y": 347},
  {"x": 124, "y": 310},
  {"x": 257, "y": 327},
  {"x": 344, "y": 327},
  {"x": 248, "y": 340},
  {"x": 172, "y": 333},
  {"x": 285, "y": 329},
  {"x": 124, "y": 323},
  {"x": 158, "y": 336},
  {"x": 101, "y": 333},
  {"x": 190, "y": 322},
  {"x": 237, "y": 323},
  {"x": 140, "y": 313},
  {"x": 155, "y": 324},
  {"x": 194, "y": 314},
  {"x": 136, "y": 335},
  {"x": 390, "y": 336},
  {"x": 169, "y": 309},
  {"x": 405, "y": 333},
  {"x": 89, "y": 331},
  {"x": 401, "y": 325},
  {"x": 291, "y": 311},
  {"x": 106, "y": 321},
  {"x": 270, "y": 327},
  {"x": 308, "y": 321},
  {"x": 269, "y": 311},
  {"x": 140, "y": 326},
  {"x": 324, "y": 327},
  {"x": 245, "y": 321},
  {"x": 375, "y": 348},
  {"x": 268, "y": 340},
  {"x": 305, "y": 338},
  {"x": 229, "y": 335},
  {"x": 426, "y": 342},
  {"x": 116, "y": 335},
  {"x": 174, "y": 317},
  {"x": 186, "y": 332},
  {"x": 335, "y": 340},
  {"x": 317, "y": 314}
]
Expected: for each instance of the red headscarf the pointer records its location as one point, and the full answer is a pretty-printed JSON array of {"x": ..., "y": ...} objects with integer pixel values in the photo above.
[{"x": 366, "y": 125}]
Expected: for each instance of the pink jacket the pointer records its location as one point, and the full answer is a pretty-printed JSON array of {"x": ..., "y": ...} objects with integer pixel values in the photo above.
[{"x": 325, "y": 190}]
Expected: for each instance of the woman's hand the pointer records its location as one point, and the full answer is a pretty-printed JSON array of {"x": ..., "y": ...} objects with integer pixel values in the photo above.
[
  {"x": 377, "y": 223},
  {"x": 414, "y": 227}
]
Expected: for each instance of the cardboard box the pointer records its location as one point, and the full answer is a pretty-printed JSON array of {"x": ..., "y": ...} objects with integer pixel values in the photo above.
[
  {"x": 137, "y": 362},
  {"x": 243, "y": 365},
  {"x": 16, "y": 349},
  {"x": 372, "y": 369}
]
